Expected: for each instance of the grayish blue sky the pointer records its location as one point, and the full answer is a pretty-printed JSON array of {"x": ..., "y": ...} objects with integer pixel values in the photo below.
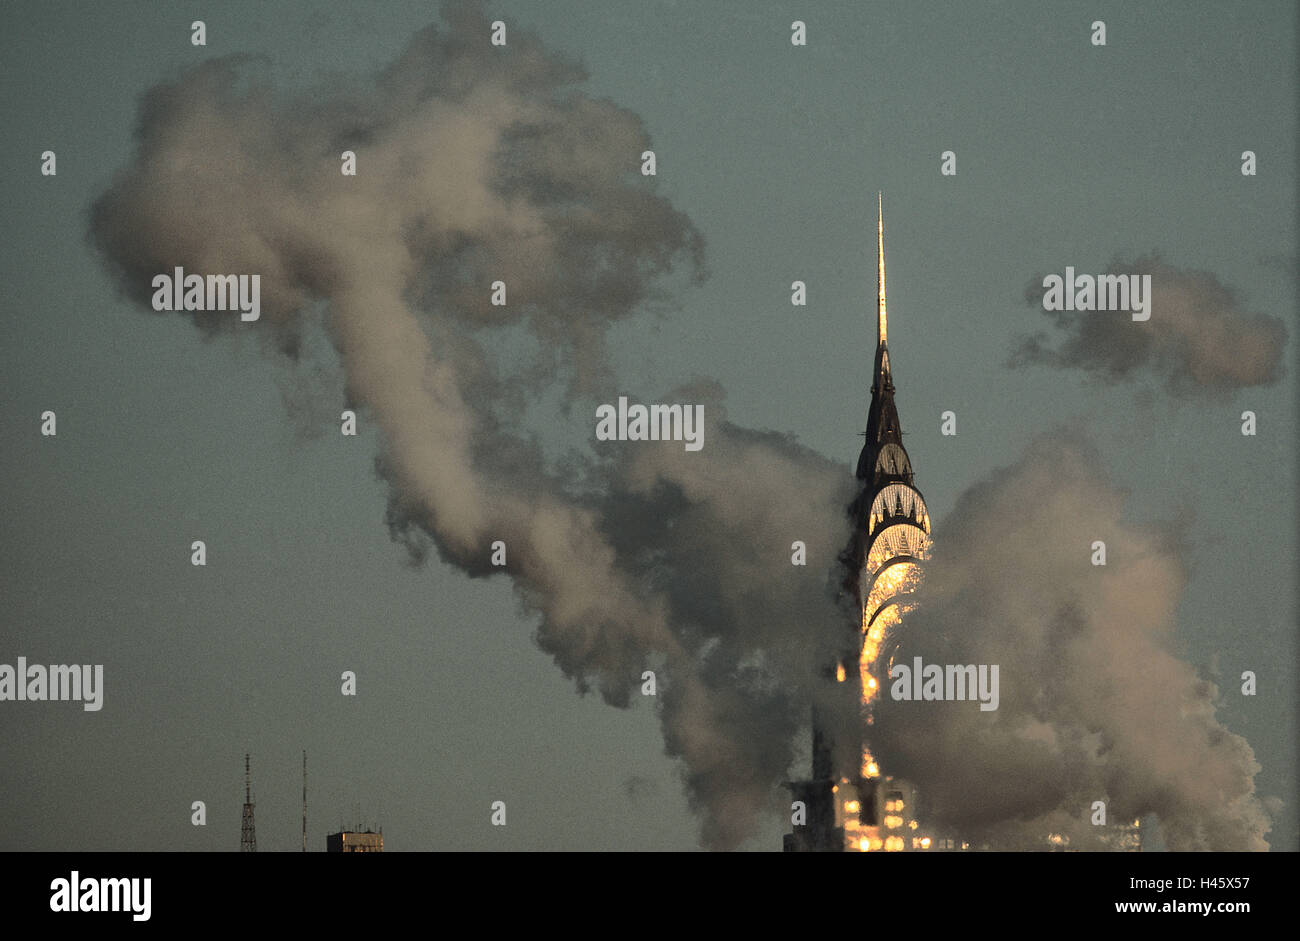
[{"x": 1067, "y": 154}]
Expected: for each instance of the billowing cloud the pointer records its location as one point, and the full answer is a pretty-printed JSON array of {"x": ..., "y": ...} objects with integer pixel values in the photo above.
[
  {"x": 1094, "y": 702},
  {"x": 1198, "y": 339},
  {"x": 478, "y": 164}
]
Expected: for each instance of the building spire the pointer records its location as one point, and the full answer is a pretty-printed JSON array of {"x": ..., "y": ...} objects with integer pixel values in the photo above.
[{"x": 881, "y": 320}]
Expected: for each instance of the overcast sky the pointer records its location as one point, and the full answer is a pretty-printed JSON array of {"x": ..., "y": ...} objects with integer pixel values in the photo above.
[{"x": 1066, "y": 153}]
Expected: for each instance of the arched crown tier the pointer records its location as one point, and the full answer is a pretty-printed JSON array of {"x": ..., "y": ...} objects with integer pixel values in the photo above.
[
  {"x": 892, "y": 461},
  {"x": 898, "y": 502},
  {"x": 900, "y": 539},
  {"x": 900, "y": 577}
]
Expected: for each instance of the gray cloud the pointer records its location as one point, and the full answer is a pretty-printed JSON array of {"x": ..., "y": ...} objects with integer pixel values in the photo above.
[
  {"x": 478, "y": 164},
  {"x": 1095, "y": 704},
  {"x": 1199, "y": 340}
]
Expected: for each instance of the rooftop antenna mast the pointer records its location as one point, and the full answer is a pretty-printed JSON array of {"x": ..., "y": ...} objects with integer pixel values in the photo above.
[{"x": 247, "y": 836}]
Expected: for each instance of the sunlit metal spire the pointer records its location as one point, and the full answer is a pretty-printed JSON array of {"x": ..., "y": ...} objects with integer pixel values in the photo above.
[{"x": 881, "y": 320}]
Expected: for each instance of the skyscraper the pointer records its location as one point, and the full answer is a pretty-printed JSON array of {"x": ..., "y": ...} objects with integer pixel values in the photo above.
[{"x": 845, "y": 803}]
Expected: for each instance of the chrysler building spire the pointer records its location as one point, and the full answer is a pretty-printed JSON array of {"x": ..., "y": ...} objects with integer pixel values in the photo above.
[
  {"x": 882, "y": 381},
  {"x": 847, "y": 796},
  {"x": 881, "y": 320}
]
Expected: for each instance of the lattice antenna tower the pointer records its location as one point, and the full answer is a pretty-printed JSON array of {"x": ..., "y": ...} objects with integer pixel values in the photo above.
[{"x": 247, "y": 834}]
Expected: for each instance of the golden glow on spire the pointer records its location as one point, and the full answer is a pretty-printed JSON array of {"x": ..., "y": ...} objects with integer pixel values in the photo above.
[{"x": 881, "y": 320}]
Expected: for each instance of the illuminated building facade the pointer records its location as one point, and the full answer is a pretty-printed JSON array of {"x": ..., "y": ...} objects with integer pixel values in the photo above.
[
  {"x": 354, "y": 841},
  {"x": 848, "y": 804}
]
